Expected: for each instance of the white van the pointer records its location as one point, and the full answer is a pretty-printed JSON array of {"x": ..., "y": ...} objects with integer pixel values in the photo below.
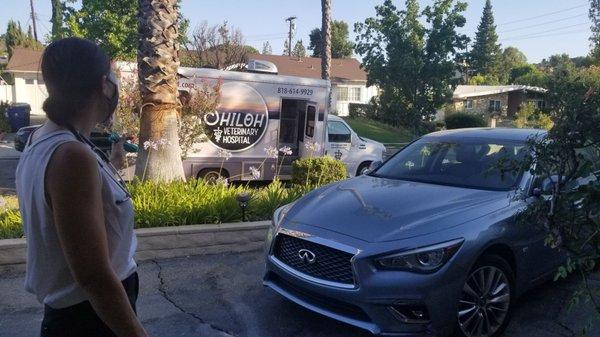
[{"x": 261, "y": 114}]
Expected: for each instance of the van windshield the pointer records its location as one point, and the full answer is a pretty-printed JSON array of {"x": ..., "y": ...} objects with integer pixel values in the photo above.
[{"x": 473, "y": 163}]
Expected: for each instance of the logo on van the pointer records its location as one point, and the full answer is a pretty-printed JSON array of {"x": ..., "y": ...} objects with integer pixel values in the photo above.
[{"x": 240, "y": 120}]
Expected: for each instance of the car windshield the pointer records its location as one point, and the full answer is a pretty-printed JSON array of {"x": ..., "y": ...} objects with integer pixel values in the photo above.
[{"x": 472, "y": 163}]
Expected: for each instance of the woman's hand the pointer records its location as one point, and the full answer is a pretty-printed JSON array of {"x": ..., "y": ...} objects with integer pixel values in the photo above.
[{"x": 117, "y": 154}]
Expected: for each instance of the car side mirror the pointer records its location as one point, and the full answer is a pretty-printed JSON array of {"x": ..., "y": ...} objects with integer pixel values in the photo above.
[{"x": 374, "y": 166}]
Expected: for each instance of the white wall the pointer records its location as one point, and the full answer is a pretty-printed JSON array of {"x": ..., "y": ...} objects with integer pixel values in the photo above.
[
  {"x": 28, "y": 88},
  {"x": 6, "y": 93}
]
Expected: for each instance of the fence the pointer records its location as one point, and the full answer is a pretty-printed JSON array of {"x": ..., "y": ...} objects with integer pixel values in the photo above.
[{"x": 6, "y": 93}]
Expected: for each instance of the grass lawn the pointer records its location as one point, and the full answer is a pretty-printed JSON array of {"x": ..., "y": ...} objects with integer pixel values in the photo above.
[{"x": 378, "y": 131}]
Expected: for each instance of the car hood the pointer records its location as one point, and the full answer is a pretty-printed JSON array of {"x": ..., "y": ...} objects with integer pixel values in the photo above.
[{"x": 375, "y": 209}]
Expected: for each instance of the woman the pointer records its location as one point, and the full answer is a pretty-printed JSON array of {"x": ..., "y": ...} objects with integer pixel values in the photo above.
[{"x": 77, "y": 213}]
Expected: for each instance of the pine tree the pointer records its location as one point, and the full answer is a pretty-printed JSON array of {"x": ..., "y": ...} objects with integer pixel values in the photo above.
[
  {"x": 58, "y": 30},
  {"x": 486, "y": 52},
  {"x": 286, "y": 48},
  {"x": 14, "y": 36},
  {"x": 266, "y": 49},
  {"x": 594, "y": 15},
  {"x": 299, "y": 49}
]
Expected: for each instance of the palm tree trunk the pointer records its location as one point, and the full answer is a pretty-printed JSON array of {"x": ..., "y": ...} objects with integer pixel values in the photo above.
[
  {"x": 158, "y": 61},
  {"x": 326, "y": 39}
]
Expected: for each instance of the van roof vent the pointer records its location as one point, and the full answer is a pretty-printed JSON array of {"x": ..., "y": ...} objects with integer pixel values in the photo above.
[{"x": 260, "y": 66}]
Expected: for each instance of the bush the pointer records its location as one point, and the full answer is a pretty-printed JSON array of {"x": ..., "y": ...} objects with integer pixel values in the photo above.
[
  {"x": 316, "y": 171},
  {"x": 460, "y": 120},
  {"x": 356, "y": 110},
  {"x": 10, "y": 218},
  {"x": 529, "y": 116}
]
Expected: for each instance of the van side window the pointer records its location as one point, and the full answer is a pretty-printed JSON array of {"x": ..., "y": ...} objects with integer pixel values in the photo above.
[
  {"x": 311, "y": 111},
  {"x": 338, "y": 132}
]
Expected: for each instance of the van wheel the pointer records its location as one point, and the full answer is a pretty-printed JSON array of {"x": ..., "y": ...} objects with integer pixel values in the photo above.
[
  {"x": 362, "y": 168},
  {"x": 487, "y": 299},
  {"x": 211, "y": 176}
]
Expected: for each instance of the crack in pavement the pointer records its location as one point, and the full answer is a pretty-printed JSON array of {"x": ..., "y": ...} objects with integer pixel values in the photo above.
[{"x": 163, "y": 292}]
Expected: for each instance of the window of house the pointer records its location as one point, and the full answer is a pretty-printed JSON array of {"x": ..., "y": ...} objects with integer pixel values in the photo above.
[
  {"x": 541, "y": 104},
  {"x": 342, "y": 93},
  {"x": 469, "y": 104},
  {"x": 495, "y": 105},
  {"x": 354, "y": 94},
  {"x": 29, "y": 81}
]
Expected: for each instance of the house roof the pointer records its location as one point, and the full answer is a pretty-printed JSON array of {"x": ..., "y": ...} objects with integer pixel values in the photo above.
[
  {"x": 467, "y": 91},
  {"x": 24, "y": 60},
  {"x": 342, "y": 70}
]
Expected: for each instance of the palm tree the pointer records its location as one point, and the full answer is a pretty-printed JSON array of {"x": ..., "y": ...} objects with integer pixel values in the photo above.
[
  {"x": 326, "y": 39},
  {"x": 158, "y": 60}
]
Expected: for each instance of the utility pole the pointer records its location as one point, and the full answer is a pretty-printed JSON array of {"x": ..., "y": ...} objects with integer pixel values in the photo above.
[
  {"x": 291, "y": 21},
  {"x": 33, "y": 20}
]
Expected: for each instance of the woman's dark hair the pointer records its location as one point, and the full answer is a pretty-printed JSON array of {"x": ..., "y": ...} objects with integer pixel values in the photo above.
[{"x": 72, "y": 69}]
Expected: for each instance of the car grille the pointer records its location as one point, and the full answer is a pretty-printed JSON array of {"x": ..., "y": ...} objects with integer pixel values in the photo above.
[{"x": 330, "y": 264}]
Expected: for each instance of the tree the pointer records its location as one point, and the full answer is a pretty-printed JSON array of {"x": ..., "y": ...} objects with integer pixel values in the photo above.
[
  {"x": 286, "y": 48},
  {"x": 217, "y": 46},
  {"x": 511, "y": 58},
  {"x": 485, "y": 54},
  {"x": 341, "y": 46},
  {"x": 594, "y": 15},
  {"x": 413, "y": 65},
  {"x": 299, "y": 50},
  {"x": 266, "y": 49},
  {"x": 529, "y": 74},
  {"x": 326, "y": 37},
  {"x": 113, "y": 24},
  {"x": 57, "y": 20},
  {"x": 15, "y": 37},
  {"x": 158, "y": 61}
]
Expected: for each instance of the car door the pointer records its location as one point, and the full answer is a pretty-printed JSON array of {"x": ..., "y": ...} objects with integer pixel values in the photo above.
[{"x": 339, "y": 141}]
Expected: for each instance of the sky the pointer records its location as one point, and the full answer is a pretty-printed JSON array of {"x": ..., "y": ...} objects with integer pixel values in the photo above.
[{"x": 539, "y": 28}]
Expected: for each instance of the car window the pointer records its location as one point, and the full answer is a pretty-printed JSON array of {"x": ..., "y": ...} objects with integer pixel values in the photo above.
[
  {"x": 465, "y": 163},
  {"x": 338, "y": 132}
]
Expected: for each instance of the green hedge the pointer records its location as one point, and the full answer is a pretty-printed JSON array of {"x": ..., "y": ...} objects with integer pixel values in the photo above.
[
  {"x": 459, "y": 120},
  {"x": 316, "y": 171},
  {"x": 4, "y": 125}
]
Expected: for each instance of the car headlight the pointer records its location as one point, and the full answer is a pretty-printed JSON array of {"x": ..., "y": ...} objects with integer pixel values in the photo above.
[
  {"x": 280, "y": 214},
  {"x": 423, "y": 260}
]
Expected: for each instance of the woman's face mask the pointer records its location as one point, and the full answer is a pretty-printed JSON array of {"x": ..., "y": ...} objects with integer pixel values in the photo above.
[{"x": 112, "y": 101}]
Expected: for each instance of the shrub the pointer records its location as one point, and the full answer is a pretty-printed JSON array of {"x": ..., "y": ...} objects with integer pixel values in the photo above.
[
  {"x": 356, "y": 110},
  {"x": 460, "y": 120},
  {"x": 316, "y": 171},
  {"x": 529, "y": 116},
  {"x": 10, "y": 218}
]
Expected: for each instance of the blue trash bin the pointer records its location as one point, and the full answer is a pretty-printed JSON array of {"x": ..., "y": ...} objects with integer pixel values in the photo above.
[{"x": 18, "y": 115}]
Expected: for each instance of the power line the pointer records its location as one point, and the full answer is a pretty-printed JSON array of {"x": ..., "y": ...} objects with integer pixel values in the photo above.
[
  {"x": 542, "y": 23},
  {"x": 547, "y": 31},
  {"x": 543, "y": 15},
  {"x": 547, "y": 35}
]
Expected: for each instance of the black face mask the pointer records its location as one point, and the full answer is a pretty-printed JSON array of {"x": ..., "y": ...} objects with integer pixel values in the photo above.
[{"x": 111, "y": 103}]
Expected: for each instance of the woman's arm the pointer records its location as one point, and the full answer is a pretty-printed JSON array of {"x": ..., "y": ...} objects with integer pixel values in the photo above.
[{"x": 73, "y": 185}]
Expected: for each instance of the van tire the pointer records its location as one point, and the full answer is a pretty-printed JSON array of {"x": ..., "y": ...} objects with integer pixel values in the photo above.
[
  {"x": 211, "y": 175},
  {"x": 362, "y": 168}
]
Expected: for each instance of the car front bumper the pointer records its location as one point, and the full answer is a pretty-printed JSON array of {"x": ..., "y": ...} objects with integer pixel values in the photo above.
[{"x": 377, "y": 297}]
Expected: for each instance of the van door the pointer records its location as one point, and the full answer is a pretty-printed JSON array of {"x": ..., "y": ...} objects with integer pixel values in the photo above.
[
  {"x": 307, "y": 132},
  {"x": 339, "y": 140}
]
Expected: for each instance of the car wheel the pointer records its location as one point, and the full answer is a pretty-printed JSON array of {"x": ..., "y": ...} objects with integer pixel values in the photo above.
[
  {"x": 362, "y": 168},
  {"x": 486, "y": 299},
  {"x": 211, "y": 176}
]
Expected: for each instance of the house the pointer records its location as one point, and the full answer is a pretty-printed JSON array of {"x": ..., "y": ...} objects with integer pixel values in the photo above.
[
  {"x": 348, "y": 79},
  {"x": 28, "y": 85},
  {"x": 496, "y": 101}
]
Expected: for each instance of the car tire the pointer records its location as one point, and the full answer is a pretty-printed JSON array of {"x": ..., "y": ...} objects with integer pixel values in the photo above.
[
  {"x": 211, "y": 176},
  {"x": 362, "y": 168},
  {"x": 477, "y": 307}
]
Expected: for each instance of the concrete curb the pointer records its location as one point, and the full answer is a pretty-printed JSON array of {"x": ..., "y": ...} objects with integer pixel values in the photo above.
[{"x": 166, "y": 242}]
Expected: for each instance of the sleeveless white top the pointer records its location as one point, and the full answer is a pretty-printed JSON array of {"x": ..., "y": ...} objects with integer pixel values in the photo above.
[{"x": 48, "y": 275}]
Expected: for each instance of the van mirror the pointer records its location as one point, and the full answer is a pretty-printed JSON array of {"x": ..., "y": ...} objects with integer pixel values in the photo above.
[{"x": 374, "y": 166}]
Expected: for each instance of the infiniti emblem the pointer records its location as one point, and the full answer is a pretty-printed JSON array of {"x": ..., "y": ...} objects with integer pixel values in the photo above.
[{"x": 307, "y": 256}]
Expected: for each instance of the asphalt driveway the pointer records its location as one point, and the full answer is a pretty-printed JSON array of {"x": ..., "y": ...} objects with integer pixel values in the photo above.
[{"x": 222, "y": 295}]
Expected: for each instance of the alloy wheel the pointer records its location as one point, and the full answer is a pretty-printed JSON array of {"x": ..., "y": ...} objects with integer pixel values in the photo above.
[{"x": 485, "y": 301}]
